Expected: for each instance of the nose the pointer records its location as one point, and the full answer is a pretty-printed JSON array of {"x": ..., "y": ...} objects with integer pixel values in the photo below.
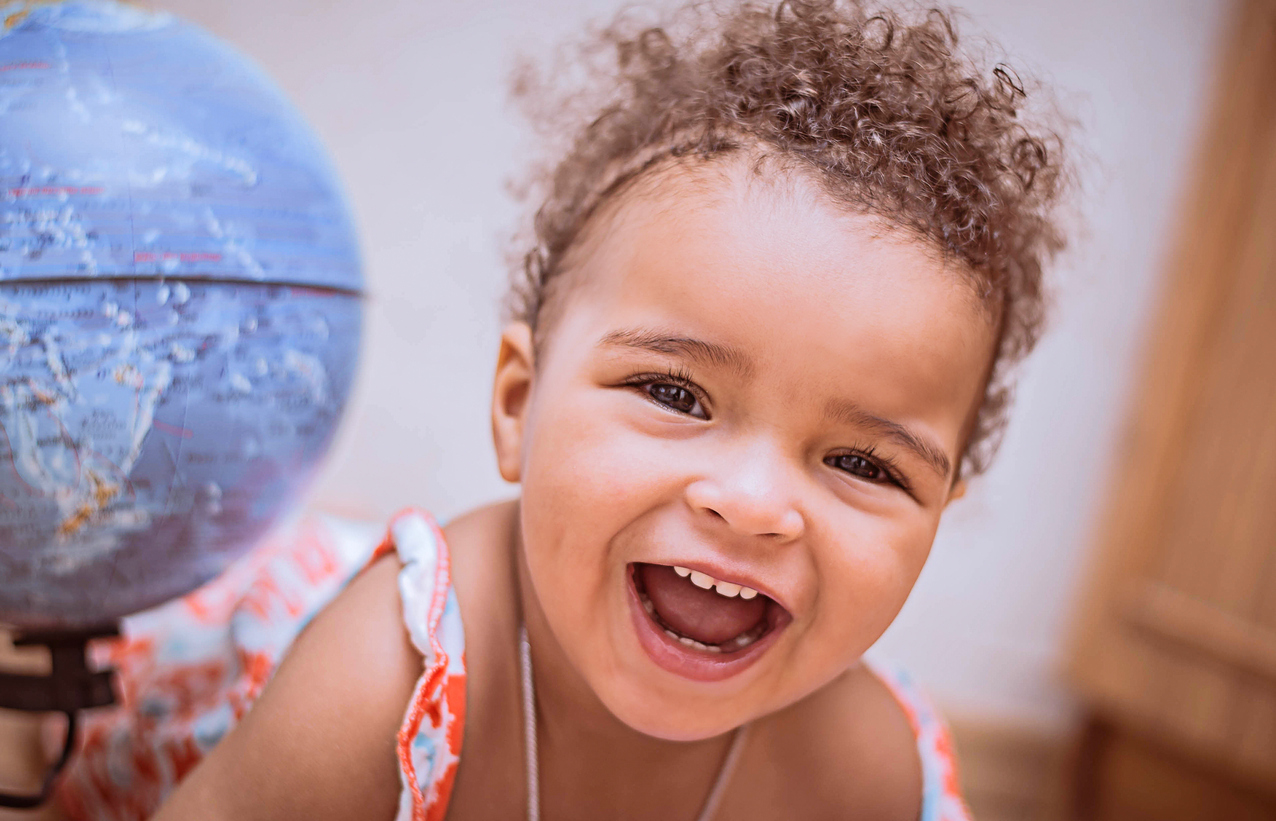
[{"x": 754, "y": 492}]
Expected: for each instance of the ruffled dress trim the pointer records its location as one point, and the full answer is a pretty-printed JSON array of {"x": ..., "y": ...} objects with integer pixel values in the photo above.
[{"x": 429, "y": 740}]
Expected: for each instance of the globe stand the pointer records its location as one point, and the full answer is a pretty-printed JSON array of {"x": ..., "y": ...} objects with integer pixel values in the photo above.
[{"x": 69, "y": 687}]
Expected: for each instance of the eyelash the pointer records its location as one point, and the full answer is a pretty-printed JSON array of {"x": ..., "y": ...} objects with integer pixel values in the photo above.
[{"x": 891, "y": 473}]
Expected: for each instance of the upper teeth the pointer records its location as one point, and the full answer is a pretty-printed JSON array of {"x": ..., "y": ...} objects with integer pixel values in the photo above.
[{"x": 705, "y": 581}]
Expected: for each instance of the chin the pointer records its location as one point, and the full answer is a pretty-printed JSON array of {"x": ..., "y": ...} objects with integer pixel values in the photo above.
[{"x": 673, "y": 719}]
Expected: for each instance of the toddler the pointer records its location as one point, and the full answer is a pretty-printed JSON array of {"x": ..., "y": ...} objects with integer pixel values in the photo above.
[{"x": 759, "y": 346}]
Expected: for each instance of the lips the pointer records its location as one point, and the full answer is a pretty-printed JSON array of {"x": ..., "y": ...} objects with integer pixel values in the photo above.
[{"x": 693, "y": 630}]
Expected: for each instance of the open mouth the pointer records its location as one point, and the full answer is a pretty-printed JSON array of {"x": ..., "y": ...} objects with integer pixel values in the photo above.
[{"x": 701, "y": 627}]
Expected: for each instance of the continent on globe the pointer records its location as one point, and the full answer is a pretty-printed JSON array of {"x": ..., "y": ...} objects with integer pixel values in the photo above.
[{"x": 179, "y": 309}]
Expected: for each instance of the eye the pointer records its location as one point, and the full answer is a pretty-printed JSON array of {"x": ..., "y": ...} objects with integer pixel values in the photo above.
[
  {"x": 673, "y": 390},
  {"x": 859, "y": 465},
  {"x": 675, "y": 397}
]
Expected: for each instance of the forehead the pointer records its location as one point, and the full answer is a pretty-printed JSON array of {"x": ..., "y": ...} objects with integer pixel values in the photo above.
[
  {"x": 754, "y": 205},
  {"x": 768, "y": 264}
]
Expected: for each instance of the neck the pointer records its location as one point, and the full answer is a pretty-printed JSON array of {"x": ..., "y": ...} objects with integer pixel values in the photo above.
[{"x": 582, "y": 743}]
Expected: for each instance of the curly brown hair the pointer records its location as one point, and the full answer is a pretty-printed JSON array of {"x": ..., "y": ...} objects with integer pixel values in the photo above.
[{"x": 879, "y": 104}]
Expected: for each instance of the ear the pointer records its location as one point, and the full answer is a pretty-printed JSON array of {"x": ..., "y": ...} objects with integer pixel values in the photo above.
[
  {"x": 515, "y": 369},
  {"x": 957, "y": 491}
]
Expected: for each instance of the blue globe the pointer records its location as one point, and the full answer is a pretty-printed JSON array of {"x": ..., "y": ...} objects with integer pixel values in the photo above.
[{"x": 179, "y": 309}]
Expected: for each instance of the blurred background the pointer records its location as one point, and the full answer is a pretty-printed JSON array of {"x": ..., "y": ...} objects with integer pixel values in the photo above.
[{"x": 1098, "y": 617}]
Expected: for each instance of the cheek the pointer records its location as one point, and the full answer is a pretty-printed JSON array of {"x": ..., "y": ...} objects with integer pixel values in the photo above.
[
  {"x": 586, "y": 479},
  {"x": 867, "y": 570},
  {"x": 588, "y": 451},
  {"x": 575, "y": 466}
]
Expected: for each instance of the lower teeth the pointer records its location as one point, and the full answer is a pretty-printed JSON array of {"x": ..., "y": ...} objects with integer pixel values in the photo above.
[
  {"x": 738, "y": 643},
  {"x": 709, "y": 648}
]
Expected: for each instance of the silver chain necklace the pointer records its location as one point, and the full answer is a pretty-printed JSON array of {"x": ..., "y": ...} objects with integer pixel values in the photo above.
[{"x": 529, "y": 744}]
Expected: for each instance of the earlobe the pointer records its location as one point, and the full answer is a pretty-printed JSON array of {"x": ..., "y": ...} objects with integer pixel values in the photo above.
[
  {"x": 957, "y": 491},
  {"x": 511, "y": 391}
]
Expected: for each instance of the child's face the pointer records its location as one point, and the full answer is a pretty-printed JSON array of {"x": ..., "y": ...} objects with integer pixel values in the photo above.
[{"x": 746, "y": 380}]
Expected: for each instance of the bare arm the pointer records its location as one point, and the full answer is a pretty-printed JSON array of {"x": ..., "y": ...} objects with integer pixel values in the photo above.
[{"x": 320, "y": 741}]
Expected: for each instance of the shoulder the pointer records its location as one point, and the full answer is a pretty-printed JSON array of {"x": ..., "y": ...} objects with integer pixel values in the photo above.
[
  {"x": 481, "y": 544},
  {"x": 489, "y": 778},
  {"x": 850, "y": 751},
  {"x": 343, "y": 685},
  {"x": 483, "y": 579},
  {"x": 943, "y": 796}
]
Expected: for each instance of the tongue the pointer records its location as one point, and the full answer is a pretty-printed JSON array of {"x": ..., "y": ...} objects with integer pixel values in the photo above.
[{"x": 698, "y": 614}]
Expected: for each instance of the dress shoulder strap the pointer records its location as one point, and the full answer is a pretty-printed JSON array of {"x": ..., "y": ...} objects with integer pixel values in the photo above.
[{"x": 941, "y": 791}]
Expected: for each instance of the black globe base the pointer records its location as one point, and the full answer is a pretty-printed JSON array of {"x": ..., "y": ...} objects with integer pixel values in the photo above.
[{"x": 68, "y": 688}]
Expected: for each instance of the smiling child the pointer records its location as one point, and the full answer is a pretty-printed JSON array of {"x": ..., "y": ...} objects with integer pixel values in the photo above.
[{"x": 759, "y": 347}]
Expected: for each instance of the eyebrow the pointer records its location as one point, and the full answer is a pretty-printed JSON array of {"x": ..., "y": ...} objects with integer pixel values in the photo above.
[
  {"x": 930, "y": 453},
  {"x": 697, "y": 350}
]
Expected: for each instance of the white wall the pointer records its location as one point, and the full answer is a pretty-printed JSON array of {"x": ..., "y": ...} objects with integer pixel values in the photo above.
[{"x": 409, "y": 96}]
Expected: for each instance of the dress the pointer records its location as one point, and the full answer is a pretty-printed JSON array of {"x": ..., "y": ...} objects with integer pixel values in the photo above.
[{"x": 189, "y": 669}]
